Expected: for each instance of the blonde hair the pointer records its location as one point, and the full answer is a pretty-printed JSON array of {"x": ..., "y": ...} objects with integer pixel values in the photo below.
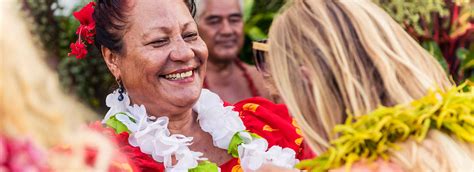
[
  {"x": 437, "y": 152},
  {"x": 34, "y": 107},
  {"x": 333, "y": 57}
]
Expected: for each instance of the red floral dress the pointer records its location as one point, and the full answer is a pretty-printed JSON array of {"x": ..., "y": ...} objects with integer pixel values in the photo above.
[{"x": 260, "y": 116}]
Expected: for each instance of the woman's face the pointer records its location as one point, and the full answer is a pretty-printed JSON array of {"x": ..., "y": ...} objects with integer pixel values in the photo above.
[{"x": 164, "y": 60}]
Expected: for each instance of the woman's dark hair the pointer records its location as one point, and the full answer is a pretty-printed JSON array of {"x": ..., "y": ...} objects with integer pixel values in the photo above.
[{"x": 110, "y": 18}]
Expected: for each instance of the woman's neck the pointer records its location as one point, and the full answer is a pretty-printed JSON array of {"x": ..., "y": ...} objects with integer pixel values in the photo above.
[{"x": 185, "y": 123}]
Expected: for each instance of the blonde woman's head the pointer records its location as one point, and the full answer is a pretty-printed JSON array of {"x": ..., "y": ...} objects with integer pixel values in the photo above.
[{"x": 334, "y": 57}]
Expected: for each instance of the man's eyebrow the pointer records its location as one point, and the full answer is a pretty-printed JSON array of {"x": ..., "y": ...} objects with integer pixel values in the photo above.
[
  {"x": 235, "y": 15},
  {"x": 210, "y": 17}
]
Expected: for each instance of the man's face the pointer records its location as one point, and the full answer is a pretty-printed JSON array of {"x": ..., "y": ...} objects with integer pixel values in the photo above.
[{"x": 221, "y": 26}]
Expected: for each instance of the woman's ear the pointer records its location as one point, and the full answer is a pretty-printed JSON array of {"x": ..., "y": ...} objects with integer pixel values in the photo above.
[{"x": 112, "y": 61}]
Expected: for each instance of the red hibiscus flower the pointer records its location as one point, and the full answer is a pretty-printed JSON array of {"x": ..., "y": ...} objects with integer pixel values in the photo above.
[
  {"x": 86, "y": 31},
  {"x": 78, "y": 49},
  {"x": 87, "y": 28}
]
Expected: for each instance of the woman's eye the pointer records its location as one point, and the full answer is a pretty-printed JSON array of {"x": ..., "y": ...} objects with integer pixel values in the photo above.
[
  {"x": 159, "y": 43},
  {"x": 190, "y": 36}
]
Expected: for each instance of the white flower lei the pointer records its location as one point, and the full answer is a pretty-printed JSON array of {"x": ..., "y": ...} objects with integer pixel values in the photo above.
[{"x": 152, "y": 136}]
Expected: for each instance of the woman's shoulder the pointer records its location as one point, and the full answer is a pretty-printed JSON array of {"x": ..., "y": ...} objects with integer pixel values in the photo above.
[
  {"x": 265, "y": 107},
  {"x": 268, "y": 116}
]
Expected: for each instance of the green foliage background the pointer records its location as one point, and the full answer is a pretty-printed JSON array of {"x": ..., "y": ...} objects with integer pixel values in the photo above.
[
  {"x": 443, "y": 27},
  {"x": 258, "y": 16},
  {"x": 90, "y": 80}
]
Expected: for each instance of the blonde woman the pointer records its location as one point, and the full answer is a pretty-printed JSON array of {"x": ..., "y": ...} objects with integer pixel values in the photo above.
[
  {"x": 39, "y": 125},
  {"x": 331, "y": 58}
]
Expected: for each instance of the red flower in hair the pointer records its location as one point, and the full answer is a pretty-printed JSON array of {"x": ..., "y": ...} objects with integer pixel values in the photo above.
[
  {"x": 86, "y": 31},
  {"x": 78, "y": 49},
  {"x": 87, "y": 28}
]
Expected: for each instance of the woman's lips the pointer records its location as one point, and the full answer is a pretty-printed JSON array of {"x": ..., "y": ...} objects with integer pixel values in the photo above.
[{"x": 181, "y": 75}]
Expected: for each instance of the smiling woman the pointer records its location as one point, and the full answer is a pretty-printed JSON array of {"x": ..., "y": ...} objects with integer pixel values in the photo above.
[{"x": 154, "y": 51}]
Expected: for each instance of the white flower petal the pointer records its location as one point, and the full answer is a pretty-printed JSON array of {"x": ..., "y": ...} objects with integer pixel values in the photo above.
[
  {"x": 132, "y": 126},
  {"x": 146, "y": 144}
]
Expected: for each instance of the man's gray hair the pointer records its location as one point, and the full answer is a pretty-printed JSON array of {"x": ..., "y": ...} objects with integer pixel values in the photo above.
[{"x": 201, "y": 6}]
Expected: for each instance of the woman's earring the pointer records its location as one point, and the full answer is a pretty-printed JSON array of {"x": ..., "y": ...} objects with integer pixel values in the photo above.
[{"x": 121, "y": 90}]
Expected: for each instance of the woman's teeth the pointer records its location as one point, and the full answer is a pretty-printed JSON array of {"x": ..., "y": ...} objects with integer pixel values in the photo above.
[{"x": 179, "y": 76}]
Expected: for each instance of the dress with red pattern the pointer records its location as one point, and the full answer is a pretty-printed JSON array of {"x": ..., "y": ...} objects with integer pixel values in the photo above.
[{"x": 260, "y": 116}]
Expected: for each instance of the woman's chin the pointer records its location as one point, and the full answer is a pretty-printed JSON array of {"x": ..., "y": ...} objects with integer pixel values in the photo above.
[
  {"x": 183, "y": 104},
  {"x": 183, "y": 96},
  {"x": 178, "y": 94}
]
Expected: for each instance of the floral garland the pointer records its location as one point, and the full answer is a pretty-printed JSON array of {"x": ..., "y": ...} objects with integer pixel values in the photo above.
[
  {"x": 152, "y": 136},
  {"x": 372, "y": 136}
]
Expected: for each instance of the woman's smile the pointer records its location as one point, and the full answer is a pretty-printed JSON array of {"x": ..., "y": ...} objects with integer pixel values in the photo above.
[{"x": 181, "y": 76}]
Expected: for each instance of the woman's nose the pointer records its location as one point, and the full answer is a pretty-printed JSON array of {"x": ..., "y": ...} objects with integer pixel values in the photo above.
[{"x": 182, "y": 52}]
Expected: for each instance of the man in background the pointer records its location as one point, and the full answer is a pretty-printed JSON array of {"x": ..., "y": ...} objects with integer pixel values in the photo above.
[{"x": 220, "y": 25}]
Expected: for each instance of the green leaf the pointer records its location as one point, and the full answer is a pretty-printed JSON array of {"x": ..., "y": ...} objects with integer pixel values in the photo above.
[
  {"x": 255, "y": 136},
  {"x": 466, "y": 57},
  {"x": 233, "y": 145},
  {"x": 236, "y": 141},
  {"x": 461, "y": 53},
  {"x": 248, "y": 8},
  {"x": 118, "y": 126},
  {"x": 469, "y": 65},
  {"x": 256, "y": 33},
  {"x": 205, "y": 166}
]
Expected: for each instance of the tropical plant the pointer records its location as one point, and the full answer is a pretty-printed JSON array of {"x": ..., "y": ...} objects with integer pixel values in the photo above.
[
  {"x": 258, "y": 16},
  {"x": 88, "y": 79},
  {"x": 444, "y": 27}
]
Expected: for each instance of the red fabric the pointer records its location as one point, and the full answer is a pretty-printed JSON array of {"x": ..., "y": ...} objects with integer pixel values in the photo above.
[
  {"x": 260, "y": 116},
  {"x": 274, "y": 123},
  {"x": 122, "y": 161}
]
